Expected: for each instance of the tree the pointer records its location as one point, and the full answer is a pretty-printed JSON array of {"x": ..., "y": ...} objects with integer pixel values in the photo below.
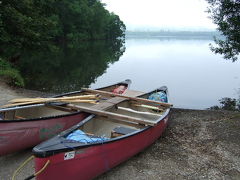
[
  {"x": 115, "y": 27},
  {"x": 27, "y": 24},
  {"x": 226, "y": 15}
]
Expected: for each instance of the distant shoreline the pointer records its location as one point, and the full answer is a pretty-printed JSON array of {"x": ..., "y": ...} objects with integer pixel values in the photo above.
[{"x": 173, "y": 34}]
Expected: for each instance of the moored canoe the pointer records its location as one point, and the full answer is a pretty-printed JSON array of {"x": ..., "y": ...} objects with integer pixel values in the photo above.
[
  {"x": 99, "y": 143},
  {"x": 25, "y": 126}
]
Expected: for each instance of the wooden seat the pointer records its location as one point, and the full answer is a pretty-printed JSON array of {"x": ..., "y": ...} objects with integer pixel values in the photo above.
[
  {"x": 19, "y": 117},
  {"x": 119, "y": 131}
]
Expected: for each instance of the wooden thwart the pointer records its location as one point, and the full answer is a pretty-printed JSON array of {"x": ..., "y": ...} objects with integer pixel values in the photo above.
[
  {"x": 128, "y": 97},
  {"x": 111, "y": 115}
]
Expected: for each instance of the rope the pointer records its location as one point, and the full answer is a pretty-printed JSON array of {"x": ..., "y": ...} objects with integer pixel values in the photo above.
[
  {"x": 32, "y": 176},
  {"x": 43, "y": 168},
  {"x": 21, "y": 166},
  {"x": 40, "y": 171}
]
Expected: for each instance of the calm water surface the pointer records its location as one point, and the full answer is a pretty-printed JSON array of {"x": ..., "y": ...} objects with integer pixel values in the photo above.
[{"x": 196, "y": 77}]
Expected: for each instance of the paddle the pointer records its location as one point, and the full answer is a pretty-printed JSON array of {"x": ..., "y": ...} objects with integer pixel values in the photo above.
[
  {"x": 20, "y": 100},
  {"x": 27, "y": 101}
]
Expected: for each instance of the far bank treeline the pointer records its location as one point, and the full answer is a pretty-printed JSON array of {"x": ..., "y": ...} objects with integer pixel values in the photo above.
[{"x": 43, "y": 24}]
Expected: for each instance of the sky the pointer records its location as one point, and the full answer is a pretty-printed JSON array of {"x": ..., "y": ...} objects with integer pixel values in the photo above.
[{"x": 162, "y": 14}]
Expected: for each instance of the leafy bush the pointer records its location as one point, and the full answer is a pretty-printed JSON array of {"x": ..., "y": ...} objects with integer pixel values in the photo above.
[
  {"x": 227, "y": 104},
  {"x": 7, "y": 71},
  {"x": 226, "y": 15}
]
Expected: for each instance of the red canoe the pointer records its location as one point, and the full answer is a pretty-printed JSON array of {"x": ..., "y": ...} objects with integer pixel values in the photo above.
[
  {"x": 26, "y": 126},
  {"x": 99, "y": 143}
]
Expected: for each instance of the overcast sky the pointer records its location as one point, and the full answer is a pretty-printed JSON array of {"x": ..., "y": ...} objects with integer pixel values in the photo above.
[{"x": 162, "y": 14}]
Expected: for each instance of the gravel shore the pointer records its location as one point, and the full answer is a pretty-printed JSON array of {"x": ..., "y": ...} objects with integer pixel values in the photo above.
[{"x": 197, "y": 144}]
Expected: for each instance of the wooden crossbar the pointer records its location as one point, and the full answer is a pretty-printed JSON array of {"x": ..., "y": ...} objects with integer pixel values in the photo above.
[
  {"x": 128, "y": 97},
  {"x": 116, "y": 116}
]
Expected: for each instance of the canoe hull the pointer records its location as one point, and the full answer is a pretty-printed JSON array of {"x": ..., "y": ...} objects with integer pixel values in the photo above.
[
  {"x": 92, "y": 161},
  {"x": 15, "y": 136},
  {"x": 20, "y": 134}
]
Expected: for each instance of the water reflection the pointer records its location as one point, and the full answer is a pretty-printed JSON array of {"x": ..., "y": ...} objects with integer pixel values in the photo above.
[
  {"x": 69, "y": 67},
  {"x": 195, "y": 76}
]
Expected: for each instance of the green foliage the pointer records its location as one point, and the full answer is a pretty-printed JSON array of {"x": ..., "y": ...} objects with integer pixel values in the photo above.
[
  {"x": 115, "y": 27},
  {"x": 34, "y": 23},
  {"x": 7, "y": 71},
  {"x": 28, "y": 24},
  {"x": 87, "y": 20},
  {"x": 226, "y": 15},
  {"x": 229, "y": 104},
  {"x": 46, "y": 25}
]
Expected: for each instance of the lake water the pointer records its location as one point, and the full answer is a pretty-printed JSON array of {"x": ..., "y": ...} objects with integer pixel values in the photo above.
[{"x": 196, "y": 77}]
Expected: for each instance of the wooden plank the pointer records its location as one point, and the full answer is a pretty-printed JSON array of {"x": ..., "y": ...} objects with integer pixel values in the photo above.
[
  {"x": 128, "y": 123},
  {"x": 119, "y": 117},
  {"x": 26, "y": 101},
  {"x": 148, "y": 107},
  {"x": 138, "y": 112},
  {"x": 21, "y": 100},
  {"x": 133, "y": 93},
  {"x": 103, "y": 105},
  {"x": 128, "y": 97},
  {"x": 116, "y": 100},
  {"x": 108, "y": 103}
]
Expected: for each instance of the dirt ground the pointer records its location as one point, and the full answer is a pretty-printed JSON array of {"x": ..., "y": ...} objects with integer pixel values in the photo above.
[
  {"x": 197, "y": 144},
  {"x": 7, "y": 93}
]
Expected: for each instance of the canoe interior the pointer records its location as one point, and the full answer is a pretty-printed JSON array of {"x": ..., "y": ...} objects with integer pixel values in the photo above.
[
  {"x": 118, "y": 121},
  {"x": 41, "y": 111},
  {"x": 36, "y": 112},
  {"x": 104, "y": 127}
]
